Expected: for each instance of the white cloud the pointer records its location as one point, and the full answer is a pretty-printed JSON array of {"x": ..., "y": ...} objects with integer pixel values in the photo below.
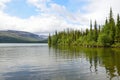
[
  {"x": 99, "y": 9},
  {"x": 42, "y": 23},
  {"x": 57, "y": 17},
  {"x": 40, "y": 4},
  {"x": 2, "y": 3},
  {"x": 50, "y": 19}
]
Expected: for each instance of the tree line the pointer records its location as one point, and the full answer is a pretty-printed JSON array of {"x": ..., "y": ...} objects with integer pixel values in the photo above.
[{"x": 107, "y": 35}]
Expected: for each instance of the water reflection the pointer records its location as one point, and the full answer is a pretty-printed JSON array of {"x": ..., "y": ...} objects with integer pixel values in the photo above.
[
  {"x": 106, "y": 58},
  {"x": 40, "y": 62}
]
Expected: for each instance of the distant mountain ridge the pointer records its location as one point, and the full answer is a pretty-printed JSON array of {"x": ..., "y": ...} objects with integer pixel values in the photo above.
[{"x": 13, "y": 36}]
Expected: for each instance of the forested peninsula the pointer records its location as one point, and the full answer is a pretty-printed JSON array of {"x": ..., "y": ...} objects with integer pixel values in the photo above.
[{"x": 106, "y": 35}]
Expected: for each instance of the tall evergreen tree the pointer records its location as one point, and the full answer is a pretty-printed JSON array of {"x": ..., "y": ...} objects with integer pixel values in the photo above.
[
  {"x": 99, "y": 29},
  {"x": 111, "y": 26},
  {"x": 106, "y": 21},
  {"x": 117, "y": 33},
  {"x": 111, "y": 15},
  {"x": 95, "y": 31},
  {"x": 90, "y": 35},
  {"x": 90, "y": 25}
]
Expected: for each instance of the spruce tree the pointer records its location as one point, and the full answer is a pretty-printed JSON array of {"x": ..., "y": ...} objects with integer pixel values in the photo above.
[
  {"x": 95, "y": 31},
  {"x": 117, "y": 33},
  {"x": 99, "y": 29},
  {"x": 90, "y": 25},
  {"x": 90, "y": 35},
  {"x": 111, "y": 27}
]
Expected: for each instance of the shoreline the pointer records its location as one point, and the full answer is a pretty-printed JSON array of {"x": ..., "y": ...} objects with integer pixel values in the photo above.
[{"x": 87, "y": 46}]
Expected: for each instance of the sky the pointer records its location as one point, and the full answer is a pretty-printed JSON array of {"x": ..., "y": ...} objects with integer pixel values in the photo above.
[{"x": 47, "y": 16}]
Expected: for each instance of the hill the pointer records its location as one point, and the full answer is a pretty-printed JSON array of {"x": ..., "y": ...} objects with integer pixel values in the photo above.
[{"x": 12, "y": 36}]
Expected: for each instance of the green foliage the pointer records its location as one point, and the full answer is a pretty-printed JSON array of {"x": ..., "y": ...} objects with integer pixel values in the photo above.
[
  {"x": 95, "y": 35},
  {"x": 104, "y": 40},
  {"x": 99, "y": 36},
  {"x": 117, "y": 33}
]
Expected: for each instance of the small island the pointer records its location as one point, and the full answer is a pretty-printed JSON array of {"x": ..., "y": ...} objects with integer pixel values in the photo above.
[{"x": 107, "y": 35}]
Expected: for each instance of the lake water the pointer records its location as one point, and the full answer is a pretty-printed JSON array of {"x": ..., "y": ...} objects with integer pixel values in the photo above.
[{"x": 40, "y": 62}]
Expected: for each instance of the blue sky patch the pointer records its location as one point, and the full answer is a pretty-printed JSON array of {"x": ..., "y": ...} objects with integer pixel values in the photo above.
[
  {"x": 20, "y": 8},
  {"x": 72, "y": 6}
]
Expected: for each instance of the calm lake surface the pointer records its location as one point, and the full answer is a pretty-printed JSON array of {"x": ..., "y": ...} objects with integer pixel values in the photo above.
[{"x": 40, "y": 62}]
